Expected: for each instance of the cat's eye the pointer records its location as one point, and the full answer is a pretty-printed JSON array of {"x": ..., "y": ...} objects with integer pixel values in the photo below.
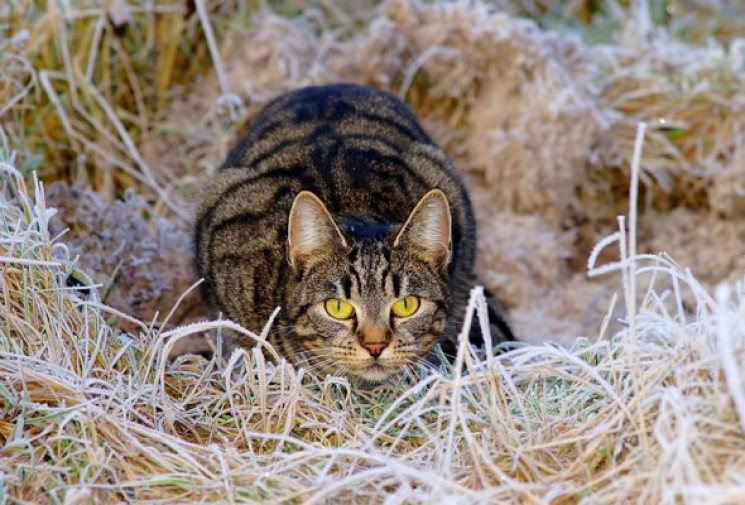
[
  {"x": 406, "y": 306},
  {"x": 339, "y": 309}
]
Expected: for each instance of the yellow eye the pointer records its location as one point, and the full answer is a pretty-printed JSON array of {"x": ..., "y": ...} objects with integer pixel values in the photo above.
[
  {"x": 404, "y": 307},
  {"x": 339, "y": 309}
]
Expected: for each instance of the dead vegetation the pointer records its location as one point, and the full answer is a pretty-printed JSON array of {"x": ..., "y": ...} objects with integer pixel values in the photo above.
[{"x": 123, "y": 107}]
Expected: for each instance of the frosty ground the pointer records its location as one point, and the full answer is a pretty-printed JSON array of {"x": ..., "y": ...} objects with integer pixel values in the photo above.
[{"x": 122, "y": 112}]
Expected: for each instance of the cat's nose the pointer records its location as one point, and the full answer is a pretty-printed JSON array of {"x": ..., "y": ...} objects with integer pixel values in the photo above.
[{"x": 376, "y": 349}]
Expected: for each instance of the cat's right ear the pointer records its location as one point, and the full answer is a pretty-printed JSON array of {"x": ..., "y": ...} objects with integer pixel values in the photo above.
[{"x": 311, "y": 232}]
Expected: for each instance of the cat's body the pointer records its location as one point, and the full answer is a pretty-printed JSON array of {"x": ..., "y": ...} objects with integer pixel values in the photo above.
[{"x": 364, "y": 156}]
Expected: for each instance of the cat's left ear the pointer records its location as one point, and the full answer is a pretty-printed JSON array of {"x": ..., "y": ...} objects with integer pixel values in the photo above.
[
  {"x": 427, "y": 231},
  {"x": 312, "y": 232}
]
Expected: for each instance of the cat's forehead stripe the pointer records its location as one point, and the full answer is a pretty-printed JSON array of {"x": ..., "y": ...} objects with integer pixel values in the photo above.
[
  {"x": 347, "y": 286},
  {"x": 367, "y": 159}
]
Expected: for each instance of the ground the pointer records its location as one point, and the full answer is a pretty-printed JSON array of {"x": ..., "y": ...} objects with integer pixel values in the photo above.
[{"x": 629, "y": 386}]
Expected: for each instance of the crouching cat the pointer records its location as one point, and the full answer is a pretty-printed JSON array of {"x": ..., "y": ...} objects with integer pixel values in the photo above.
[{"x": 339, "y": 208}]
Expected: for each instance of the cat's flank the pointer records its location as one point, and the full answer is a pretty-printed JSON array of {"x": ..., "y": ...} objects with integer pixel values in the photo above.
[{"x": 339, "y": 208}]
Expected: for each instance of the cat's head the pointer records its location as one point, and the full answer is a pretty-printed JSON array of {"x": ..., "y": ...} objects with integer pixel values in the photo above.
[{"x": 366, "y": 299}]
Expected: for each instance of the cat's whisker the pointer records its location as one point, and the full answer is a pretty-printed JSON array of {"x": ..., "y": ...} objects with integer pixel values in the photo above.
[
  {"x": 341, "y": 249},
  {"x": 320, "y": 364},
  {"x": 408, "y": 372},
  {"x": 423, "y": 363}
]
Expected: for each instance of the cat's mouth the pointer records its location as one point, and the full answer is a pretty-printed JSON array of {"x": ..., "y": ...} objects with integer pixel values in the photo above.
[{"x": 374, "y": 373}]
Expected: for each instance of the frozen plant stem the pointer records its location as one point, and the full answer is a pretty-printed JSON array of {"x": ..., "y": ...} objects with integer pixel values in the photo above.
[
  {"x": 630, "y": 286},
  {"x": 212, "y": 45},
  {"x": 727, "y": 352},
  {"x": 633, "y": 209},
  {"x": 232, "y": 99}
]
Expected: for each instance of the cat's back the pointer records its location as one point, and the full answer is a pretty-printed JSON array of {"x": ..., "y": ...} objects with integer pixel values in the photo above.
[
  {"x": 360, "y": 150},
  {"x": 334, "y": 119},
  {"x": 349, "y": 144}
]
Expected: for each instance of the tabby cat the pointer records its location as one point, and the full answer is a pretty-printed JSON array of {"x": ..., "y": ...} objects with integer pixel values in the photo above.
[{"x": 339, "y": 208}]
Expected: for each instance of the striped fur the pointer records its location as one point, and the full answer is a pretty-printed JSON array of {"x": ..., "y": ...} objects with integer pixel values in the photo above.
[{"x": 367, "y": 159}]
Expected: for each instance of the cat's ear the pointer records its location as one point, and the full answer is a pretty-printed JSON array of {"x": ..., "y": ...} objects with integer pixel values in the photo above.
[
  {"x": 428, "y": 229},
  {"x": 311, "y": 230}
]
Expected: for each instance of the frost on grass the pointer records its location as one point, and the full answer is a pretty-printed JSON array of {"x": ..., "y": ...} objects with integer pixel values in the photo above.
[
  {"x": 648, "y": 409},
  {"x": 88, "y": 412},
  {"x": 143, "y": 262}
]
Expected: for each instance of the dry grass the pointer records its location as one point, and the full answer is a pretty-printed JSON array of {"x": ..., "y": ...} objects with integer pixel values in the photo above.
[
  {"x": 655, "y": 414},
  {"x": 648, "y": 408}
]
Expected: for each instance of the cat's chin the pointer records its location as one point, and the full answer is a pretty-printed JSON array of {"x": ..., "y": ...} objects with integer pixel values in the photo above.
[{"x": 373, "y": 375}]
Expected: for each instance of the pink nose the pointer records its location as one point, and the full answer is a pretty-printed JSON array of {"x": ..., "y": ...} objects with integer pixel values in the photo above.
[{"x": 375, "y": 349}]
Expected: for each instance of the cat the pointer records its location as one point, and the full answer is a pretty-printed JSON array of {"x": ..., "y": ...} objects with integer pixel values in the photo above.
[{"x": 340, "y": 209}]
